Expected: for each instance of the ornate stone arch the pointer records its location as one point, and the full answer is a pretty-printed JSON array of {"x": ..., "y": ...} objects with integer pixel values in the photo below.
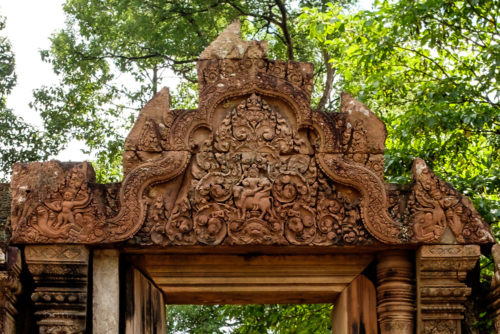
[{"x": 254, "y": 170}]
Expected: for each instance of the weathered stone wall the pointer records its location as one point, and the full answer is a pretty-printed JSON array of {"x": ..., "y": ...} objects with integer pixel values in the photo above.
[{"x": 5, "y": 198}]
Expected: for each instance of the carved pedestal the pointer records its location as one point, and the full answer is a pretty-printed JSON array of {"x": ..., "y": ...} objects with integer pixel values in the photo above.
[
  {"x": 441, "y": 270},
  {"x": 395, "y": 292},
  {"x": 60, "y": 275},
  {"x": 10, "y": 268}
]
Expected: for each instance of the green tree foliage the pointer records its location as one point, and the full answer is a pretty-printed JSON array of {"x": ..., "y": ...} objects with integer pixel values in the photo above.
[
  {"x": 196, "y": 319},
  {"x": 113, "y": 55},
  {"x": 19, "y": 141},
  {"x": 7, "y": 74},
  {"x": 250, "y": 319},
  {"x": 429, "y": 69}
]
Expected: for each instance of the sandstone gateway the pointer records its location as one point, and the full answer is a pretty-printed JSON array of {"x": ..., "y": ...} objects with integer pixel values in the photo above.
[{"x": 251, "y": 198}]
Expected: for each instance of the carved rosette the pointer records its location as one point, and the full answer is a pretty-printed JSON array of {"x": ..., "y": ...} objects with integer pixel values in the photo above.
[
  {"x": 60, "y": 275},
  {"x": 441, "y": 293}
]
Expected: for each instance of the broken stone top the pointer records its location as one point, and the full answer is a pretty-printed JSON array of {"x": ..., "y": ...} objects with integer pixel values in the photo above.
[
  {"x": 229, "y": 45},
  {"x": 230, "y": 66},
  {"x": 253, "y": 165}
]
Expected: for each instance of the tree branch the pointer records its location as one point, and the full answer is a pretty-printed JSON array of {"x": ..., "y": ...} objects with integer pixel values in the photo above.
[
  {"x": 284, "y": 28},
  {"x": 330, "y": 74}
]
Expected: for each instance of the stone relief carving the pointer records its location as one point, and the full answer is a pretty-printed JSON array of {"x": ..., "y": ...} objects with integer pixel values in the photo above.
[
  {"x": 494, "y": 296},
  {"x": 60, "y": 286},
  {"x": 441, "y": 271},
  {"x": 255, "y": 181},
  {"x": 252, "y": 165},
  {"x": 440, "y": 327},
  {"x": 10, "y": 287},
  {"x": 435, "y": 206},
  {"x": 63, "y": 207}
]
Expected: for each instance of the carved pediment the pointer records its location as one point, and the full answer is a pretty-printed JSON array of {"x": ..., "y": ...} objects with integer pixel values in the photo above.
[
  {"x": 255, "y": 180},
  {"x": 253, "y": 165}
]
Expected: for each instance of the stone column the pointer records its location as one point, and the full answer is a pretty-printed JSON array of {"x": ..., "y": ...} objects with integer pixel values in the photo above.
[
  {"x": 105, "y": 292},
  {"x": 354, "y": 310},
  {"x": 495, "y": 288},
  {"x": 441, "y": 270},
  {"x": 10, "y": 287},
  {"x": 395, "y": 292},
  {"x": 60, "y": 276}
]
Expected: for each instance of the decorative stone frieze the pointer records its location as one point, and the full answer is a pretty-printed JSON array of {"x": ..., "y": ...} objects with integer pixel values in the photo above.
[
  {"x": 396, "y": 292},
  {"x": 441, "y": 293},
  {"x": 56, "y": 202},
  {"x": 252, "y": 169},
  {"x": 60, "y": 275}
]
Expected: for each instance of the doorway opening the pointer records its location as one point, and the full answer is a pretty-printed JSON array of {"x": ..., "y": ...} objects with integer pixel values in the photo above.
[{"x": 242, "y": 293}]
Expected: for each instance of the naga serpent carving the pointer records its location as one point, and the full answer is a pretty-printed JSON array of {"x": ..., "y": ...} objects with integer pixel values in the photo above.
[
  {"x": 132, "y": 213},
  {"x": 374, "y": 200}
]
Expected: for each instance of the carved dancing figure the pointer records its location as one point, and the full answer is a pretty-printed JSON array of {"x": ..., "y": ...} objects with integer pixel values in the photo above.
[
  {"x": 45, "y": 223},
  {"x": 66, "y": 206},
  {"x": 430, "y": 220}
]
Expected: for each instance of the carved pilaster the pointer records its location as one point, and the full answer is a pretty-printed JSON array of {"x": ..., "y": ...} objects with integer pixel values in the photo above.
[
  {"x": 395, "y": 292},
  {"x": 441, "y": 271},
  {"x": 10, "y": 287},
  {"x": 495, "y": 288},
  {"x": 60, "y": 275}
]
